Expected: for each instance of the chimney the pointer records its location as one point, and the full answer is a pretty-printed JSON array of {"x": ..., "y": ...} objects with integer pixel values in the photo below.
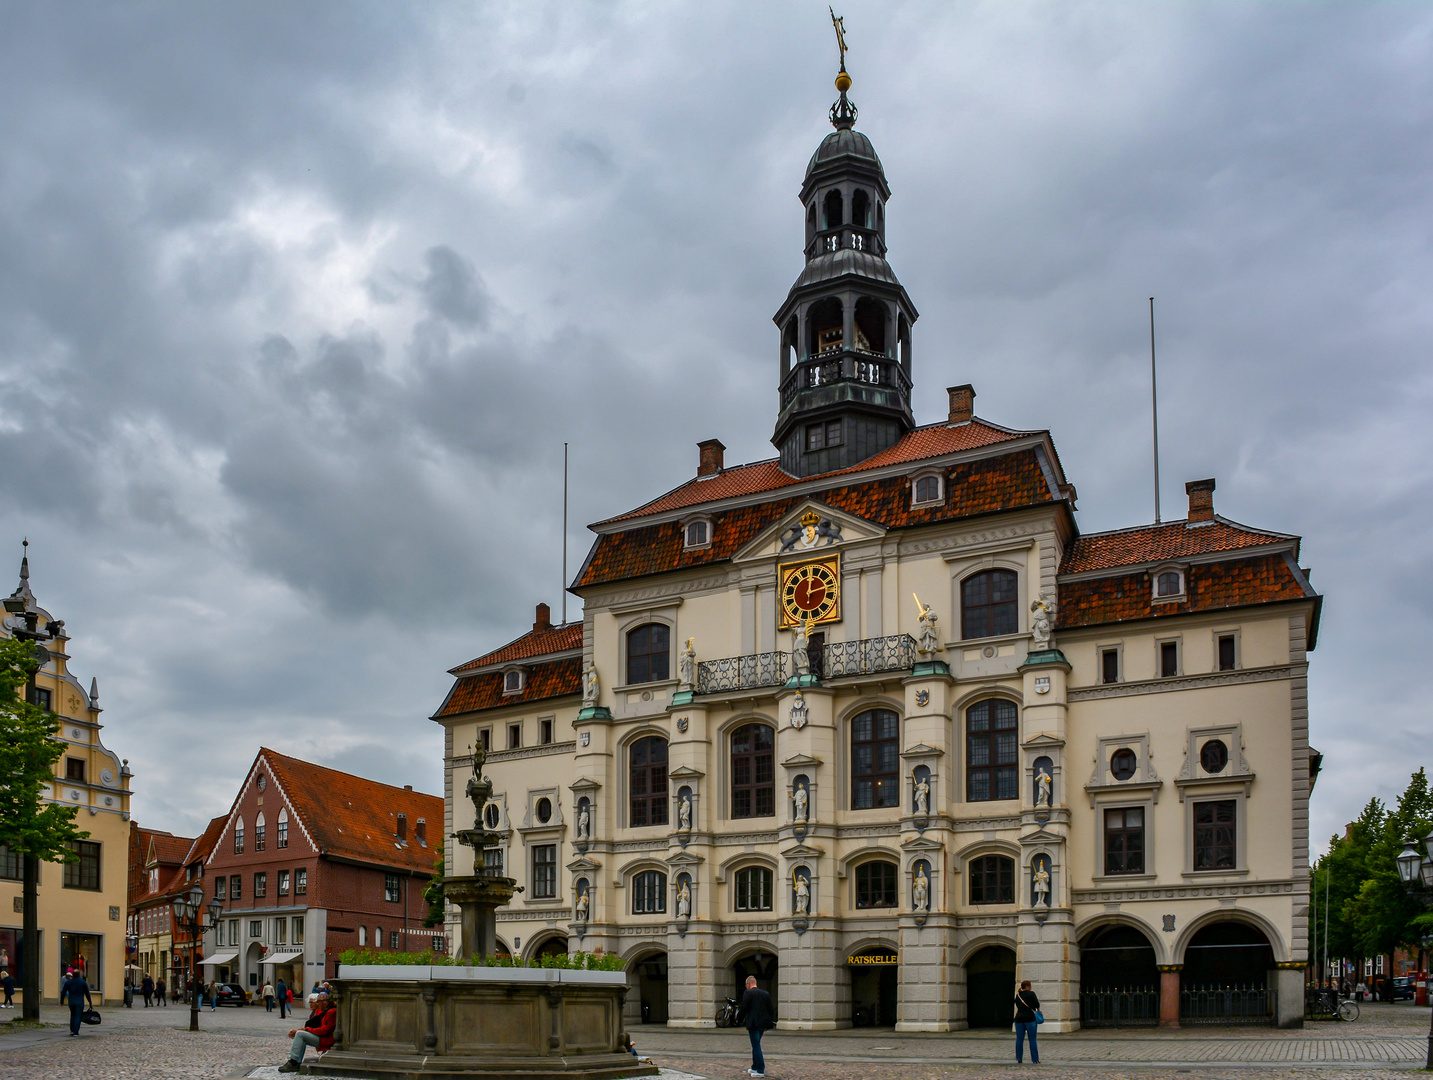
[
  {"x": 710, "y": 461},
  {"x": 407, "y": 787},
  {"x": 403, "y": 828},
  {"x": 544, "y": 618},
  {"x": 962, "y": 403},
  {"x": 420, "y": 831},
  {"x": 1201, "y": 500}
]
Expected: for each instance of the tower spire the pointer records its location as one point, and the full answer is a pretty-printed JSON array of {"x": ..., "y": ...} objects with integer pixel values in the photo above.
[
  {"x": 22, "y": 591},
  {"x": 844, "y": 111}
]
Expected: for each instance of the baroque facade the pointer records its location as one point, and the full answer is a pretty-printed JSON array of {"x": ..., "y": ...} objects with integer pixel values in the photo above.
[{"x": 876, "y": 722}]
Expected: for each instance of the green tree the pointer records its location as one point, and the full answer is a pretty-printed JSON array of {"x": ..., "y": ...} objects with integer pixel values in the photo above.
[
  {"x": 30, "y": 826},
  {"x": 433, "y": 892},
  {"x": 1383, "y": 914},
  {"x": 1339, "y": 875}
]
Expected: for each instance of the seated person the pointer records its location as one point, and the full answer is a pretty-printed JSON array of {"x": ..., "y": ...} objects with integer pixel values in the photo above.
[{"x": 317, "y": 1031}]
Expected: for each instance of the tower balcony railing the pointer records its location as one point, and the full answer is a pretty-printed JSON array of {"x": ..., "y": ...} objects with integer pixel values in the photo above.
[
  {"x": 844, "y": 365},
  {"x": 838, "y": 659}
]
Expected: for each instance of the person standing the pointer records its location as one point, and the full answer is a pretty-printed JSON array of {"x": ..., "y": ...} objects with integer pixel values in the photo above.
[
  {"x": 75, "y": 992},
  {"x": 1027, "y": 1020},
  {"x": 759, "y": 1014},
  {"x": 7, "y": 982},
  {"x": 268, "y": 995},
  {"x": 146, "y": 987},
  {"x": 213, "y": 991},
  {"x": 283, "y": 1000},
  {"x": 159, "y": 991}
]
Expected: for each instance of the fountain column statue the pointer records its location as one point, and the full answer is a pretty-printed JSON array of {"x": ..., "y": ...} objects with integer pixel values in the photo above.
[{"x": 479, "y": 894}]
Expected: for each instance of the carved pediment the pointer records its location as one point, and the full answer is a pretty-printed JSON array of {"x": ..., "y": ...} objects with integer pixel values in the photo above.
[
  {"x": 803, "y": 851},
  {"x": 1041, "y": 836},
  {"x": 922, "y": 750},
  {"x": 685, "y": 772},
  {"x": 921, "y": 843},
  {"x": 801, "y": 761},
  {"x": 584, "y": 785},
  {"x": 684, "y": 860},
  {"x": 1043, "y": 742},
  {"x": 837, "y": 528},
  {"x": 583, "y": 864}
]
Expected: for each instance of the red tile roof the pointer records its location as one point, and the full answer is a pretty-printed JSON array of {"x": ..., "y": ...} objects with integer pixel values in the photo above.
[
  {"x": 924, "y": 442},
  {"x": 355, "y": 818},
  {"x": 1171, "y": 540},
  {"x": 200, "y": 849},
  {"x": 1239, "y": 582},
  {"x": 473, "y": 693},
  {"x": 170, "y": 850},
  {"x": 983, "y": 486},
  {"x": 556, "y": 639}
]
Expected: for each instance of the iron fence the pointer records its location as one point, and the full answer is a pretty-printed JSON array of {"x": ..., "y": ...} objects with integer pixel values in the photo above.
[
  {"x": 742, "y": 672},
  {"x": 869, "y": 655},
  {"x": 1119, "y": 1007},
  {"x": 1229, "y": 1003}
]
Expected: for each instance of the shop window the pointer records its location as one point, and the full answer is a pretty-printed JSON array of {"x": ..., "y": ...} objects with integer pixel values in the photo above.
[
  {"x": 649, "y": 893},
  {"x": 753, "y": 771},
  {"x": 876, "y": 885},
  {"x": 991, "y": 738},
  {"x": 648, "y": 653},
  {"x": 992, "y": 880},
  {"x": 753, "y": 889},
  {"x": 987, "y": 604}
]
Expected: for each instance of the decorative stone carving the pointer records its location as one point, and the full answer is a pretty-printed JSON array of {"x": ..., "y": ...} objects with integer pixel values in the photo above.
[
  {"x": 591, "y": 687},
  {"x": 687, "y": 667},
  {"x": 684, "y": 813},
  {"x": 810, "y": 531},
  {"x": 1042, "y": 620},
  {"x": 580, "y": 913},
  {"x": 1040, "y": 879},
  {"x": 584, "y": 821},
  {"x": 799, "y": 711},
  {"x": 1043, "y": 784},
  {"x": 800, "y": 656},
  {"x": 802, "y": 902},
  {"x": 684, "y": 899},
  {"x": 920, "y": 891},
  {"x": 922, "y": 790},
  {"x": 800, "y": 799},
  {"x": 928, "y": 637}
]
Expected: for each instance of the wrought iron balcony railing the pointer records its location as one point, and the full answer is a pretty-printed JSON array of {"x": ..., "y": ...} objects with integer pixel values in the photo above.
[
  {"x": 868, "y": 656},
  {"x": 743, "y": 672}
]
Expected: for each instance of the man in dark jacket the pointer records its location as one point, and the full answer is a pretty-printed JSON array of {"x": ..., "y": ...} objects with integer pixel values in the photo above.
[
  {"x": 146, "y": 987},
  {"x": 758, "y": 1013},
  {"x": 283, "y": 996},
  {"x": 159, "y": 991},
  {"x": 76, "y": 992}
]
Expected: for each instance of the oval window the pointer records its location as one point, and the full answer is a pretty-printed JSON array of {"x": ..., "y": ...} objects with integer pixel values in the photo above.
[
  {"x": 1214, "y": 755},
  {"x": 1123, "y": 763},
  {"x": 544, "y": 810},
  {"x": 490, "y": 815}
]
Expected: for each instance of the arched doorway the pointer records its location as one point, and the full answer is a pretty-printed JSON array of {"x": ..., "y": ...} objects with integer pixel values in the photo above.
[
  {"x": 1119, "y": 982},
  {"x": 252, "y": 956},
  {"x": 553, "y": 946},
  {"x": 873, "y": 986},
  {"x": 1226, "y": 976},
  {"x": 762, "y": 964},
  {"x": 990, "y": 987},
  {"x": 651, "y": 979}
]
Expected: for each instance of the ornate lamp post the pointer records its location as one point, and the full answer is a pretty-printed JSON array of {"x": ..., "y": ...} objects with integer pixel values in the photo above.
[
  {"x": 189, "y": 913},
  {"x": 1415, "y": 870}
]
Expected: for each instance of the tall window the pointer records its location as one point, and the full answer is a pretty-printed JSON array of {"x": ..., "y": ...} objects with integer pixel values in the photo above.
[
  {"x": 876, "y": 885},
  {"x": 1124, "y": 841},
  {"x": 9, "y": 864},
  {"x": 1214, "y": 835},
  {"x": 1110, "y": 666},
  {"x": 649, "y": 893},
  {"x": 300, "y": 881},
  {"x": 283, "y": 828},
  {"x": 990, "y": 741},
  {"x": 648, "y": 649},
  {"x": 298, "y": 930},
  {"x": 1168, "y": 659},
  {"x": 239, "y": 837},
  {"x": 261, "y": 884},
  {"x": 753, "y": 771},
  {"x": 647, "y": 782},
  {"x": 259, "y": 830},
  {"x": 236, "y": 887},
  {"x": 987, "y": 604},
  {"x": 281, "y": 927},
  {"x": 875, "y": 760},
  {"x": 390, "y": 888},
  {"x": 221, "y": 887},
  {"x": 753, "y": 889},
  {"x": 362, "y": 936},
  {"x": 1226, "y": 652},
  {"x": 283, "y": 883},
  {"x": 544, "y": 871},
  {"x": 992, "y": 880},
  {"x": 84, "y": 873}
]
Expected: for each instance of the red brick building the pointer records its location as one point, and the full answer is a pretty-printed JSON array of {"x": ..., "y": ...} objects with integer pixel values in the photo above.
[
  {"x": 311, "y": 861},
  {"x": 156, "y": 870}
]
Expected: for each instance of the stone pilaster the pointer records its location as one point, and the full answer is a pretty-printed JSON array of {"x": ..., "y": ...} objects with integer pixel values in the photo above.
[
  {"x": 1169, "y": 994},
  {"x": 695, "y": 983},
  {"x": 815, "y": 984},
  {"x": 925, "y": 997},
  {"x": 1289, "y": 982},
  {"x": 1049, "y": 956}
]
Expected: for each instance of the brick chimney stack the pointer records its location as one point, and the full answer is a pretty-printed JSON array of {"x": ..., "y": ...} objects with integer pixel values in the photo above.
[
  {"x": 420, "y": 831},
  {"x": 710, "y": 461},
  {"x": 962, "y": 403},
  {"x": 544, "y": 618},
  {"x": 1201, "y": 500},
  {"x": 403, "y": 828}
]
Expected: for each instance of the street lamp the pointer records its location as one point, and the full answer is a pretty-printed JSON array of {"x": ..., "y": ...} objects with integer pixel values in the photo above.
[
  {"x": 189, "y": 913},
  {"x": 1415, "y": 871}
]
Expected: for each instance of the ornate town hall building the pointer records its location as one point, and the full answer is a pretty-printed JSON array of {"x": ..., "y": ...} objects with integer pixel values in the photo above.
[{"x": 875, "y": 722}]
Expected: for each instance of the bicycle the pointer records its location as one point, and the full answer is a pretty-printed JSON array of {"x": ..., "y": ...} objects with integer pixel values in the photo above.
[
  {"x": 726, "y": 1014},
  {"x": 1323, "y": 1002}
]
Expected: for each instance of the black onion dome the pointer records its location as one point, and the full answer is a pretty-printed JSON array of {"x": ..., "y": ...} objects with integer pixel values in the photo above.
[{"x": 843, "y": 146}]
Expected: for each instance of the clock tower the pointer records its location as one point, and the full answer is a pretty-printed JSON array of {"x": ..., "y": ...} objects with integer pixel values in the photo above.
[{"x": 845, "y": 328}]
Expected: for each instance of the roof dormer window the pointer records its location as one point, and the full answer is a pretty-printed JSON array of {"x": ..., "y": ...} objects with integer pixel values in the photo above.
[
  {"x": 1168, "y": 584},
  {"x": 697, "y": 534},
  {"x": 927, "y": 490},
  {"x": 512, "y": 681}
]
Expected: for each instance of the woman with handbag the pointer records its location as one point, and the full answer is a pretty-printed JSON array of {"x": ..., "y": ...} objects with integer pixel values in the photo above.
[{"x": 1027, "y": 1019}]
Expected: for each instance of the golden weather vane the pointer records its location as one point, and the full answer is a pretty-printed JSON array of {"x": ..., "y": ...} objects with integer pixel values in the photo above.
[{"x": 839, "y": 22}]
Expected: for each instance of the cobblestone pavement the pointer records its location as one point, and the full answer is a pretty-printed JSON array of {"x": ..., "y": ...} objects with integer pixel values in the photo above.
[{"x": 1387, "y": 1041}]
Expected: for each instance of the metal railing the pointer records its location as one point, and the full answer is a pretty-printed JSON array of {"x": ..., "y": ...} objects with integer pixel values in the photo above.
[
  {"x": 743, "y": 672},
  {"x": 1230, "y": 1003},
  {"x": 1119, "y": 1007},
  {"x": 868, "y": 656},
  {"x": 840, "y": 364}
]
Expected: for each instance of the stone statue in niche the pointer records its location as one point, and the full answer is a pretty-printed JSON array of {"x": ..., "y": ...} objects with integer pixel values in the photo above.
[
  {"x": 1042, "y": 789},
  {"x": 920, "y": 893},
  {"x": 684, "y": 813},
  {"x": 1042, "y": 620},
  {"x": 922, "y": 795},
  {"x": 591, "y": 686},
  {"x": 684, "y": 900},
  {"x": 800, "y": 798},
  {"x": 580, "y": 915},
  {"x": 928, "y": 637},
  {"x": 803, "y": 895},
  {"x": 584, "y": 823},
  {"x": 800, "y": 656},
  {"x": 1042, "y": 885},
  {"x": 687, "y": 667}
]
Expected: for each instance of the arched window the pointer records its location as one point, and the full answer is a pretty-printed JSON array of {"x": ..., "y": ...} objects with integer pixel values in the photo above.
[
  {"x": 810, "y": 222},
  {"x": 831, "y": 209},
  {"x": 875, "y": 760},
  {"x": 876, "y": 885},
  {"x": 753, "y": 771},
  {"x": 259, "y": 830},
  {"x": 871, "y": 318},
  {"x": 753, "y": 889},
  {"x": 825, "y": 326},
  {"x": 239, "y": 837},
  {"x": 283, "y": 828},
  {"x": 649, "y": 893},
  {"x": 697, "y": 534},
  {"x": 1168, "y": 584},
  {"x": 648, "y": 653},
  {"x": 362, "y": 936},
  {"x": 992, "y": 880},
  {"x": 861, "y": 209},
  {"x": 648, "y": 782},
  {"x": 987, "y": 604},
  {"x": 990, "y": 737},
  {"x": 927, "y": 490}
]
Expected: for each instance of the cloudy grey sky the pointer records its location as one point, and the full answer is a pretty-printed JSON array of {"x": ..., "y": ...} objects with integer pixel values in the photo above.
[{"x": 299, "y": 302}]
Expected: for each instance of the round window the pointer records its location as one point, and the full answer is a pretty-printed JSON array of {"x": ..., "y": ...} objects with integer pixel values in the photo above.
[
  {"x": 544, "y": 810},
  {"x": 1214, "y": 755},
  {"x": 490, "y": 815},
  {"x": 1123, "y": 763}
]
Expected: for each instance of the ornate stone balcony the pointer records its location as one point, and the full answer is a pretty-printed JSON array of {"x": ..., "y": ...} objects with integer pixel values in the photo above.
[{"x": 835, "y": 660}]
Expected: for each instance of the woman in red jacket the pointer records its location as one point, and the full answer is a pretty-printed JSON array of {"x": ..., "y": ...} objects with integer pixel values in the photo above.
[{"x": 317, "y": 1031}]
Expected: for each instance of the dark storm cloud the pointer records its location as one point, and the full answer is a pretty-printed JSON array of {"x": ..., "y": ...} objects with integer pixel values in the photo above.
[{"x": 299, "y": 303}]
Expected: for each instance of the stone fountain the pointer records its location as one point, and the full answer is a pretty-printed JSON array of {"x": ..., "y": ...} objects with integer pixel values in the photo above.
[{"x": 467, "y": 1022}]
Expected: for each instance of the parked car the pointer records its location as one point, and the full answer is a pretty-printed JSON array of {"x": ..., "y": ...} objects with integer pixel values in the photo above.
[
  {"x": 231, "y": 994},
  {"x": 1403, "y": 989}
]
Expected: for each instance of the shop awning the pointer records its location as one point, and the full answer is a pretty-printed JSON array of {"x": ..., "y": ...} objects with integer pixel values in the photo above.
[
  {"x": 221, "y": 957},
  {"x": 281, "y": 958}
]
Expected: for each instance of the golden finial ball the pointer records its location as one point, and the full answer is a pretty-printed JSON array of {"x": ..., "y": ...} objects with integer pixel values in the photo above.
[{"x": 843, "y": 82}]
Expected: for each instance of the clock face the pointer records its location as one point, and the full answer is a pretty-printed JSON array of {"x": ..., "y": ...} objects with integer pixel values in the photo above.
[{"x": 810, "y": 591}]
